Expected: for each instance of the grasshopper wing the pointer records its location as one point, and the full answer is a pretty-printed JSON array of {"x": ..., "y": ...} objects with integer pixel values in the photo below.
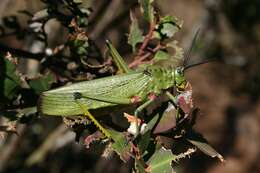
[{"x": 61, "y": 101}]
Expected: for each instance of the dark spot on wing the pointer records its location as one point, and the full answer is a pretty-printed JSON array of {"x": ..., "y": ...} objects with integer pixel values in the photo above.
[
  {"x": 147, "y": 72},
  {"x": 77, "y": 95}
]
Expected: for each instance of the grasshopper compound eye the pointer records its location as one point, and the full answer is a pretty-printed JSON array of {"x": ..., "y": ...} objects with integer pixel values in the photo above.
[
  {"x": 180, "y": 70},
  {"x": 180, "y": 81}
]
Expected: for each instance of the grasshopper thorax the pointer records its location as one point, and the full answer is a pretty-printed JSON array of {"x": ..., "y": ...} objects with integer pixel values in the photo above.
[{"x": 179, "y": 79}]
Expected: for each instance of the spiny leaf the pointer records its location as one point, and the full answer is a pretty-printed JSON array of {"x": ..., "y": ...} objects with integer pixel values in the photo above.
[
  {"x": 161, "y": 55},
  {"x": 10, "y": 78},
  {"x": 161, "y": 161},
  {"x": 169, "y": 30},
  {"x": 42, "y": 84},
  {"x": 121, "y": 145},
  {"x": 179, "y": 53},
  {"x": 167, "y": 27},
  {"x": 135, "y": 35}
]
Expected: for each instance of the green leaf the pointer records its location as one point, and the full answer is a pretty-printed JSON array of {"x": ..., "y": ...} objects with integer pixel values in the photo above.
[
  {"x": 135, "y": 35},
  {"x": 170, "y": 19},
  {"x": 202, "y": 144},
  {"x": 161, "y": 161},
  {"x": 161, "y": 55},
  {"x": 179, "y": 53},
  {"x": 144, "y": 142},
  {"x": 10, "y": 78},
  {"x": 146, "y": 137},
  {"x": 121, "y": 145},
  {"x": 169, "y": 30},
  {"x": 43, "y": 83},
  {"x": 147, "y": 9},
  {"x": 10, "y": 88},
  {"x": 167, "y": 27}
]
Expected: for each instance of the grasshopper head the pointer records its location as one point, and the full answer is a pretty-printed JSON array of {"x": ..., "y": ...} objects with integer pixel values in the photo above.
[{"x": 180, "y": 81}]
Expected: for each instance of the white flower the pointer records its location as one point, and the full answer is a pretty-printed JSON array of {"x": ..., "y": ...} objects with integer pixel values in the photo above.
[{"x": 135, "y": 124}]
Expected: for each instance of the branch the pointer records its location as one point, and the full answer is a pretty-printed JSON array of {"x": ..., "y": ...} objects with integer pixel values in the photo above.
[
  {"x": 21, "y": 53},
  {"x": 139, "y": 59},
  {"x": 146, "y": 40}
]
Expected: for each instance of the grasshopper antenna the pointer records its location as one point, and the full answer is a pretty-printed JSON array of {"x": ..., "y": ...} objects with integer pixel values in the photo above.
[
  {"x": 187, "y": 54},
  {"x": 199, "y": 63}
]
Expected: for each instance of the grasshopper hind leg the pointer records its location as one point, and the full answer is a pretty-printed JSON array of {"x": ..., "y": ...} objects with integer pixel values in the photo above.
[{"x": 77, "y": 97}]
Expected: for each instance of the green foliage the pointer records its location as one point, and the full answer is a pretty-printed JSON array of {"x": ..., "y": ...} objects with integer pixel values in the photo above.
[
  {"x": 135, "y": 35},
  {"x": 69, "y": 62},
  {"x": 121, "y": 146},
  {"x": 161, "y": 161},
  {"x": 42, "y": 84},
  {"x": 147, "y": 9},
  {"x": 146, "y": 138},
  {"x": 167, "y": 27},
  {"x": 10, "y": 77},
  {"x": 161, "y": 55}
]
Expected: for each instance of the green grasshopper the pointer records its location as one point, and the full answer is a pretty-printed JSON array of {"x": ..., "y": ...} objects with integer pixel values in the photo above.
[{"x": 131, "y": 87}]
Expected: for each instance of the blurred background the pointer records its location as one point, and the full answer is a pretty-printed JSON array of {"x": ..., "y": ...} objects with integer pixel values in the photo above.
[{"x": 226, "y": 91}]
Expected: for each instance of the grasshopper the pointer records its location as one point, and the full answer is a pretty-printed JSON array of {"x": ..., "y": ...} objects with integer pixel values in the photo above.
[{"x": 131, "y": 87}]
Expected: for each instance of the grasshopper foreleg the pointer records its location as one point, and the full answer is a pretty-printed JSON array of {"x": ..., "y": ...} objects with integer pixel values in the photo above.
[
  {"x": 138, "y": 110},
  {"x": 175, "y": 103},
  {"x": 172, "y": 98},
  {"x": 77, "y": 97}
]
